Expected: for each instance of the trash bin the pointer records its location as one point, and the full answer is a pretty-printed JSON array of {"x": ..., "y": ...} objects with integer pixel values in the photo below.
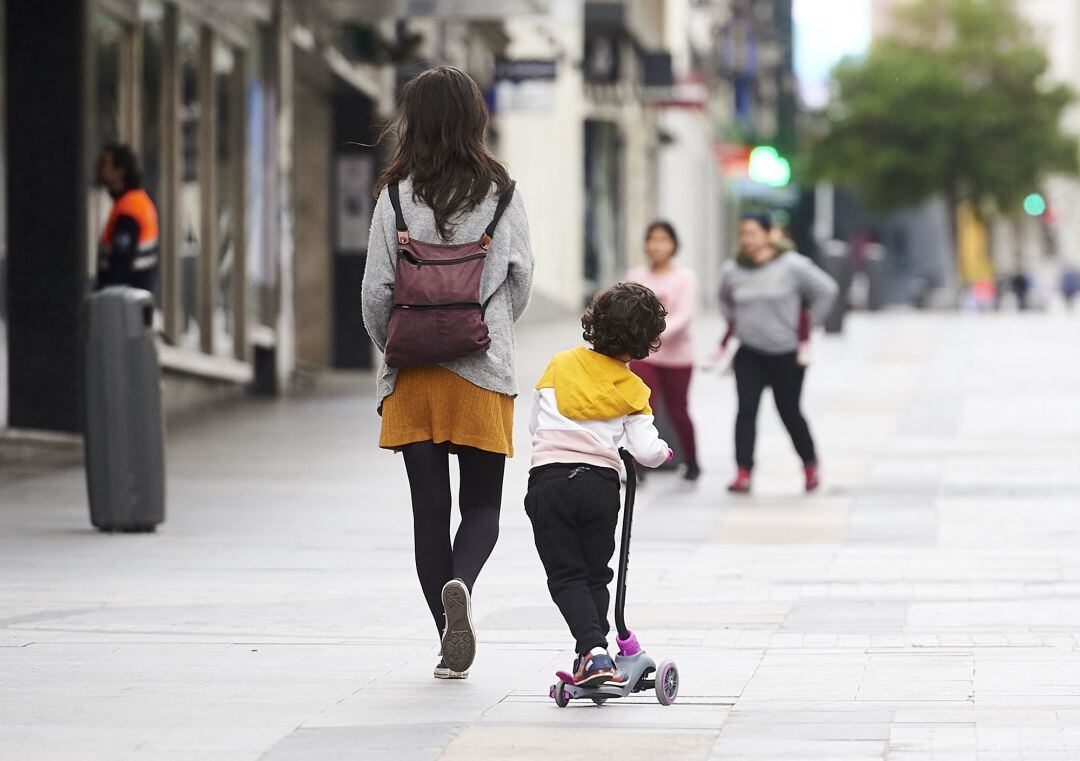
[
  {"x": 875, "y": 276},
  {"x": 836, "y": 260},
  {"x": 125, "y": 442}
]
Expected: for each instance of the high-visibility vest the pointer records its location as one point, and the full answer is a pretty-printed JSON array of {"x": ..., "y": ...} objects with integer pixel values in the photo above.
[{"x": 137, "y": 205}]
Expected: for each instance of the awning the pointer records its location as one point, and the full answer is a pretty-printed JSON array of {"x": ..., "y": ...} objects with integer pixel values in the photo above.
[{"x": 375, "y": 10}]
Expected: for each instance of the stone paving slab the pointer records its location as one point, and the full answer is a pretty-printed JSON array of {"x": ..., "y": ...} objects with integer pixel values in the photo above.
[{"x": 924, "y": 605}]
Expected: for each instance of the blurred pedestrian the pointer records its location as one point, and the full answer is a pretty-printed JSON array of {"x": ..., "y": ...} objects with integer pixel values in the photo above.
[
  {"x": 1070, "y": 285},
  {"x": 1021, "y": 287},
  {"x": 668, "y": 370},
  {"x": 448, "y": 187},
  {"x": 761, "y": 294},
  {"x": 781, "y": 239},
  {"x": 128, "y": 250}
]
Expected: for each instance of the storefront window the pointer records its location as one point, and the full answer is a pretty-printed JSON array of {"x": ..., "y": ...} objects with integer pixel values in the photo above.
[
  {"x": 605, "y": 254},
  {"x": 227, "y": 169},
  {"x": 152, "y": 17},
  {"x": 260, "y": 221},
  {"x": 107, "y": 37},
  {"x": 3, "y": 228},
  {"x": 190, "y": 106}
]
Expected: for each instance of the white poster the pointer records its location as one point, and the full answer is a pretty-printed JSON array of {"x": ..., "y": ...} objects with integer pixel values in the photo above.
[{"x": 355, "y": 179}]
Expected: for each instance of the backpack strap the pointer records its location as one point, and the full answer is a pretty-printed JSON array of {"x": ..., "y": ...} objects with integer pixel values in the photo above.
[
  {"x": 399, "y": 218},
  {"x": 489, "y": 233}
]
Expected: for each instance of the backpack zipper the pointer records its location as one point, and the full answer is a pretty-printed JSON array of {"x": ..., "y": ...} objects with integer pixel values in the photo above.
[
  {"x": 421, "y": 262},
  {"x": 451, "y": 305}
]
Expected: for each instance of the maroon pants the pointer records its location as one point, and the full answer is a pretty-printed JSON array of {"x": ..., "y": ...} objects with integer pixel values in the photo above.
[{"x": 672, "y": 384}]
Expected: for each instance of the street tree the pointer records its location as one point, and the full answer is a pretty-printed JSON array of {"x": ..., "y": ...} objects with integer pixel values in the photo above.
[{"x": 955, "y": 101}]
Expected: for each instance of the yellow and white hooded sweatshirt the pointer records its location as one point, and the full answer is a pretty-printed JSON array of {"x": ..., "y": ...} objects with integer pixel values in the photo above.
[{"x": 585, "y": 405}]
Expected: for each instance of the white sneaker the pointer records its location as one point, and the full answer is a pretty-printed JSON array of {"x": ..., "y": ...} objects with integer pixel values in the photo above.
[
  {"x": 442, "y": 671},
  {"x": 459, "y": 639}
]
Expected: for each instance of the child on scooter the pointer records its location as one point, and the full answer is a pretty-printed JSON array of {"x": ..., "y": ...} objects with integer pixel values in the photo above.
[{"x": 586, "y": 404}]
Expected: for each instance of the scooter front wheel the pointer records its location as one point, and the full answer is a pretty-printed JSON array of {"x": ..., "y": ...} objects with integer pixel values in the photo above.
[{"x": 667, "y": 683}]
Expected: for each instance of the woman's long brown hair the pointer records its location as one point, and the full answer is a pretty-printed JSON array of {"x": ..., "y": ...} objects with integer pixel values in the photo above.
[{"x": 440, "y": 128}]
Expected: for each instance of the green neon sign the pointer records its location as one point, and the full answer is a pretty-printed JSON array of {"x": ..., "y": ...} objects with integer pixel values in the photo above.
[
  {"x": 1035, "y": 205},
  {"x": 768, "y": 167}
]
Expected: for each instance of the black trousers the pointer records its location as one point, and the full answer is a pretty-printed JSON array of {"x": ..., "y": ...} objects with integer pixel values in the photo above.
[
  {"x": 479, "y": 500},
  {"x": 574, "y": 511},
  {"x": 754, "y": 370},
  {"x": 119, "y": 273}
]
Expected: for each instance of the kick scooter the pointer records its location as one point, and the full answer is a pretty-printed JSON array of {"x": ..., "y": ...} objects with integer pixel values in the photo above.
[{"x": 642, "y": 671}]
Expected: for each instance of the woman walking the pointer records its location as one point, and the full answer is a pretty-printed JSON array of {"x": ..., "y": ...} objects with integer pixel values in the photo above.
[
  {"x": 761, "y": 295},
  {"x": 667, "y": 371},
  {"x": 442, "y": 191}
]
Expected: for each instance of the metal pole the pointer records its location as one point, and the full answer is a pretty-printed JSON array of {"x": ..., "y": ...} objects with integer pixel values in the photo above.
[
  {"x": 208, "y": 213},
  {"x": 624, "y": 543}
]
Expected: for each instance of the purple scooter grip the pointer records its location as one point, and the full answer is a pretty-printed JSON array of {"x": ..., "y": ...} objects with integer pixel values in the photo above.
[{"x": 628, "y": 646}]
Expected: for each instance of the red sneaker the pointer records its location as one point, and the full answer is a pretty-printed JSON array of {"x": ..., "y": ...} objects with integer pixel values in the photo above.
[
  {"x": 813, "y": 478},
  {"x": 741, "y": 484}
]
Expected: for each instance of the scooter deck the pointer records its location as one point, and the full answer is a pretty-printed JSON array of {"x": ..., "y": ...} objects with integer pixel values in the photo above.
[{"x": 634, "y": 666}]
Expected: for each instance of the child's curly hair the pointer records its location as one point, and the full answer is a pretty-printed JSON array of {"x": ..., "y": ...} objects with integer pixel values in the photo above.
[{"x": 626, "y": 319}]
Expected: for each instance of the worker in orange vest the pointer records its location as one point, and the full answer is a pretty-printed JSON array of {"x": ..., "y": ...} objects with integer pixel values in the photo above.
[{"x": 128, "y": 251}]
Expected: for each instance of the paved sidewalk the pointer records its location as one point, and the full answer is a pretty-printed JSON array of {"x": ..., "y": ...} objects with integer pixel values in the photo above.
[{"x": 924, "y": 605}]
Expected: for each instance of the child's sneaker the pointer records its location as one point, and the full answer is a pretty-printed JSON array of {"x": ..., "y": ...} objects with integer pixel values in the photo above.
[
  {"x": 594, "y": 670},
  {"x": 619, "y": 678},
  {"x": 442, "y": 671},
  {"x": 813, "y": 476},
  {"x": 459, "y": 638}
]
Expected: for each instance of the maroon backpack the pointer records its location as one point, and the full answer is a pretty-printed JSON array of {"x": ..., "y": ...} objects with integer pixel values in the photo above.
[{"x": 437, "y": 314}]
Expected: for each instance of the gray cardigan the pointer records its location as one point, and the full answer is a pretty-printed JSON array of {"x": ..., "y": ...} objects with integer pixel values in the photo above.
[
  {"x": 764, "y": 301},
  {"x": 507, "y": 282}
]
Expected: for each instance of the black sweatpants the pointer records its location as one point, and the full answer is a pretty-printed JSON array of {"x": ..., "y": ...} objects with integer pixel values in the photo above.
[
  {"x": 574, "y": 511},
  {"x": 119, "y": 275},
  {"x": 479, "y": 500},
  {"x": 754, "y": 370}
]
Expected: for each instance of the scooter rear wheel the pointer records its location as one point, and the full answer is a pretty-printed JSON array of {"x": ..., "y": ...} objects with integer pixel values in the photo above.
[
  {"x": 667, "y": 683},
  {"x": 562, "y": 697}
]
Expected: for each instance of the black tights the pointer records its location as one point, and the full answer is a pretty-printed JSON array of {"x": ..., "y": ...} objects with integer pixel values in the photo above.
[
  {"x": 479, "y": 499},
  {"x": 754, "y": 370}
]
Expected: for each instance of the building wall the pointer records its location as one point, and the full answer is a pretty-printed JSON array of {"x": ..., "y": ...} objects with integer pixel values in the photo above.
[
  {"x": 545, "y": 153},
  {"x": 641, "y": 178},
  {"x": 290, "y": 140},
  {"x": 690, "y": 194},
  {"x": 312, "y": 258},
  {"x": 881, "y": 18},
  {"x": 3, "y": 226}
]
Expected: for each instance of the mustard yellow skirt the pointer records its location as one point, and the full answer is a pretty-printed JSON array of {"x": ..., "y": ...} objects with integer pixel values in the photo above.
[{"x": 431, "y": 403}]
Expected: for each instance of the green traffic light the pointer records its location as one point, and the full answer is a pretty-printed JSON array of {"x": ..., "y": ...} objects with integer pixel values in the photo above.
[
  {"x": 1035, "y": 205},
  {"x": 768, "y": 167}
]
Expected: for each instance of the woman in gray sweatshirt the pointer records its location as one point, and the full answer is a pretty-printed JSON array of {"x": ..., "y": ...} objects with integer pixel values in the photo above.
[
  {"x": 762, "y": 293},
  {"x": 448, "y": 188}
]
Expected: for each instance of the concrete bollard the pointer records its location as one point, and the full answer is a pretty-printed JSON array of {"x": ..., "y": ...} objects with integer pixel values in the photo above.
[
  {"x": 875, "y": 276},
  {"x": 836, "y": 260}
]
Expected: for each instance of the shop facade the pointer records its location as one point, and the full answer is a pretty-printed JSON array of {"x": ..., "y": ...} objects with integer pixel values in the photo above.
[{"x": 207, "y": 94}]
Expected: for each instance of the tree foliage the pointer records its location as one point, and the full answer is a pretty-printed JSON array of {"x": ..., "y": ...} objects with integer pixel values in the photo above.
[{"x": 955, "y": 101}]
